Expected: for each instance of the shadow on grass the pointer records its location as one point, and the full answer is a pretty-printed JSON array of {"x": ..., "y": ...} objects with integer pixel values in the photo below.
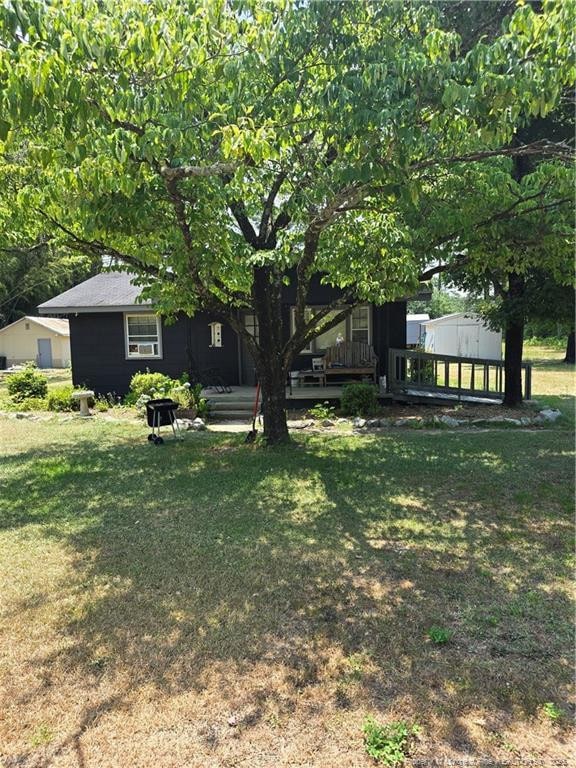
[{"x": 209, "y": 552}]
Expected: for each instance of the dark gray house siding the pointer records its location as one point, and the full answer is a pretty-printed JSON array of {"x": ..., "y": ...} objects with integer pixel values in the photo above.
[
  {"x": 97, "y": 307},
  {"x": 99, "y": 360}
]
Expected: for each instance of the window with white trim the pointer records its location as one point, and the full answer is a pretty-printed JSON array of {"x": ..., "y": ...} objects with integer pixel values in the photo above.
[
  {"x": 143, "y": 336},
  {"x": 215, "y": 334},
  {"x": 360, "y": 324},
  {"x": 356, "y": 327}
]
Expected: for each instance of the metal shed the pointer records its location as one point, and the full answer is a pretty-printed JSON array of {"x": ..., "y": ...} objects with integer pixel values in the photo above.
[
  {"x": 415, "y": 329},
  {"x": 464, "y": 335}
]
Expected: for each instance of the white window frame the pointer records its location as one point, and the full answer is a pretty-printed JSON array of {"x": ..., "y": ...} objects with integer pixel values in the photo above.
[
  {"x": 132, "y": 355},
  {"x": 369, "y": 329},
  {"x": 215, "y": 334},
  {"x": 311, "y": 349}
]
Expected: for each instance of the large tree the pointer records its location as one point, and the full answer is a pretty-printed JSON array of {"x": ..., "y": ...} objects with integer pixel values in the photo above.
[
  {"x": 32, "y": 267},
  {"x": 221, "y": 148}
]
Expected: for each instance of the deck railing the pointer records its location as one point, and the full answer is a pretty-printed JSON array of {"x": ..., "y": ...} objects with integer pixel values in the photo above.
[{"x": 413, "y": 369}]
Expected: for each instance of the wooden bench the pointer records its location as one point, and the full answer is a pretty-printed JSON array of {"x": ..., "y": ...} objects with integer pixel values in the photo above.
[{"x": 351, "y": 358}]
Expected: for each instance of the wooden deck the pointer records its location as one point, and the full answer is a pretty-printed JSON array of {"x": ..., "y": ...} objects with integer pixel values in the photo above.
[{"x": 242, "y": 397}]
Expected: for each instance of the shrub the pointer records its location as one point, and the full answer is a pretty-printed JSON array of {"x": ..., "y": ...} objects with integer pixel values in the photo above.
[
  {"x": 27, "y": 383},
  {"x": 32, "y": 404},
  {"x": 322, "y": 411},
  {"x": 359, "y": 399},
  {"x": 150, "y": 384},
  {"x": 388, "y": 744},
  {"x": 103, "y": 403},
  {"x": 60, "y": 399}
]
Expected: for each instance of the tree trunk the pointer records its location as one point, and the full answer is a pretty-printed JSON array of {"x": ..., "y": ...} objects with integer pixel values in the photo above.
[
  {"x": 270, "y": 365},
  {"x": 570, "y": 356},
  {"x": 514, "y": 340},
  {"x": 273, "y": 386}
]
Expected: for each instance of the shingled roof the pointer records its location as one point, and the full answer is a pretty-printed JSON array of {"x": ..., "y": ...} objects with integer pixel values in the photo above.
[{"x": 107, "y": 292}]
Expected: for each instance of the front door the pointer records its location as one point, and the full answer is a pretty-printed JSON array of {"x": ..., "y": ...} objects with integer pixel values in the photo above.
[
  {"x": 44, "y": 353},
  {"x": 247, "y": 368}
]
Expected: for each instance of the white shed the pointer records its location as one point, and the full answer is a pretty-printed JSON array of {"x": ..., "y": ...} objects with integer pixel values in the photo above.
[
  {"x": 462, "y": 335},
  {"x": 44, "y": 340},
  {"x": 415, "y": 329}
]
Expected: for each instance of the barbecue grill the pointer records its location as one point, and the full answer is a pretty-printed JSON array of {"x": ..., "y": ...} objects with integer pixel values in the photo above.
[{"x": 160, "y": 413}]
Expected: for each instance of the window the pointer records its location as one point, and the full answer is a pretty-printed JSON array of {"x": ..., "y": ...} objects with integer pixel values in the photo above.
[
  {"x": 360, "y": 324},
  {"x": 356, "y": 327},
  {"x": 143, "y": 336},
  {"x": 215, "y": 334}
]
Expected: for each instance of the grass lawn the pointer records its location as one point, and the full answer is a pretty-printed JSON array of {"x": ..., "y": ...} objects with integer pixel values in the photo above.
[{"x": 207, "y": 604}]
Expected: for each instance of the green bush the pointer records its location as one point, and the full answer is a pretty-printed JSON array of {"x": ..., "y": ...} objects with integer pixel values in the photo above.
[
  {"x": 27, "y": 383},
  {"x": 322, "y": 411},
  {"x": 32, "y": 404},
  {"x": 359, "y": 399},
  {"x": 149, "y": 384},
  {"x": 60, "y": 399}
]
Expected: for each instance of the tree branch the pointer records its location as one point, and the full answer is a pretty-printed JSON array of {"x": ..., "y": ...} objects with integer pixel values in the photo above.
[
  {"x": 560, "y": 150},
  {"x": 202, "y": 171}
]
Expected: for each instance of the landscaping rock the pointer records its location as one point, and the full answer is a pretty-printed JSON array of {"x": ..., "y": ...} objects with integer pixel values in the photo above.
[
  {"x": 341, "y": 420},
  {"x": 405, "y": 422},
  {"x": 359, "y": 423},
  {"x": 549, "y": 414},
  {"x": 327, "y": 423},
  {"x": 448, "y": 420},
  {"x": 184, "y": 424},
  {"x": 198, "y": 425},
  {"x": 373, "y": 423},
  {"x": 300, "y": 424}
]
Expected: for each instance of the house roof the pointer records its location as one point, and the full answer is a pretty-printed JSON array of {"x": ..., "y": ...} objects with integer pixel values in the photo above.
[
  {"x": 57, "y": 325},
  {"x": 106, "y": 292},
  {"x": 473, "y": 318},
  {"x": 417, "y": 318}
]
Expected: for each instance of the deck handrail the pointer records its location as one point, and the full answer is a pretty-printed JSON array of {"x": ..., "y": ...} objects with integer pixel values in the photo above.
[{"x": 404, "y": 372}]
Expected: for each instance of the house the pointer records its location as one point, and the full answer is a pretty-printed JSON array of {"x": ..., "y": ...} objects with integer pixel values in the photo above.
[
  {"x": 463, "y": 335},
  {"x": 115, "y": 334},
  {"x": 43, "y": 340},
  {"x": 415, "y": 329}
]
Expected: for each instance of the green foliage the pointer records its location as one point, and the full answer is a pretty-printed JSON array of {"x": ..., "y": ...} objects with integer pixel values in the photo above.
[
  {"x": 421, "y": 371},
  {"x": 388, "y": 744},
  {"x": 31, "y": 404},
  {"x": 439, "y": 635},
  {"x": 60, "y": 399},
  {"x": 150, "y": 384},
  {"x": 322, "y": 411},
  {"x": 552, "y": 711},
  {"x": 359, "y": 399},
  {"x": 442, "y": 302},
  {"x": 27, "y": 383},
  {"x": 125, "y": 113}
]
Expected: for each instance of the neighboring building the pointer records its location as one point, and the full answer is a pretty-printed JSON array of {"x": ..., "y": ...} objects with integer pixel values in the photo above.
[
  {"x": 415, "y": 329},
  {"x": 43, "y": 340},
  {"x": 114, "y": 334},
  {"x": 462, "y": 335}
]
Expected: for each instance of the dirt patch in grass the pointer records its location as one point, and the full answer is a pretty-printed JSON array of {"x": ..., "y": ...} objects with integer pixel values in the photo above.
[{"x": 208, "y": 604}]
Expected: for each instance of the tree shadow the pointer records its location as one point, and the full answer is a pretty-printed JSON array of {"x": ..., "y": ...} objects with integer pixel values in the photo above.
[{"x": 211, "y": 560}]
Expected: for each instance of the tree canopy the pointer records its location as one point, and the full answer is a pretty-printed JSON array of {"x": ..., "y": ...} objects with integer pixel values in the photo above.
[{"x": 221, "y": 148}]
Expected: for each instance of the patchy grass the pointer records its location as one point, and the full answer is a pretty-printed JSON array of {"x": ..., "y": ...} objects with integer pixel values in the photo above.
[{"x": 212, "y": 604}]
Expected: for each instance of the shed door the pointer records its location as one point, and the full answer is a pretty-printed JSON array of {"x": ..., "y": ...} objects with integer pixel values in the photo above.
[
  {"x": 44, "y": 353},
  {"x": 468, "y": 340}
]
